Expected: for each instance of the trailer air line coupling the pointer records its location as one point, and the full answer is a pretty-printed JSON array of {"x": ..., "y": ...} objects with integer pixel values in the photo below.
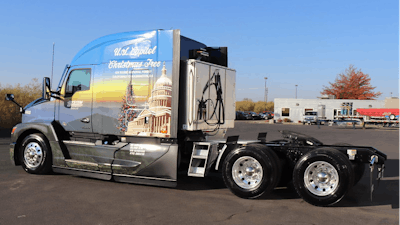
[{"x": 374, "y": 159}]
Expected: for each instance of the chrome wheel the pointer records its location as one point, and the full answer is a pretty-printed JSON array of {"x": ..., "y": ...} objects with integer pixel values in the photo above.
[
  {"x": 247, "y": 172},
  {"x": 321, "y": 178},
  {"x": 33, "y": 155}
]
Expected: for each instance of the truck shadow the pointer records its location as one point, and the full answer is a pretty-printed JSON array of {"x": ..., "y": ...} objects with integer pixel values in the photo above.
[
  {"x": 386, "y": 192},
  {"x": 212, "y": 181},
  {"x": 215, "y": 181}
]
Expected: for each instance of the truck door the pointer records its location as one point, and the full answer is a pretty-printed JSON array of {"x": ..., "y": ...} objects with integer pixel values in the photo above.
[
  {"x": 75, "y": 116},
  {"x": 75, "y": 109}
]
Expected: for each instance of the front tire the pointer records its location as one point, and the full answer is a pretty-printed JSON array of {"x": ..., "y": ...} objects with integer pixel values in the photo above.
[
  {"x": 252, "y": 171},
  {"x": 323, "y": 176},
  {"x": 35, "y": 154}
]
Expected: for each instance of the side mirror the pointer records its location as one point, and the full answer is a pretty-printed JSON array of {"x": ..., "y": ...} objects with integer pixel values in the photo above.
[
  {"x": 9, "y": 97},
  {"x": 46, "y": 93}
]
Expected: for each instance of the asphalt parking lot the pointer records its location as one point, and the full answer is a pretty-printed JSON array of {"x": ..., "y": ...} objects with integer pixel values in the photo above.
[{"x": 65, "y": 199}]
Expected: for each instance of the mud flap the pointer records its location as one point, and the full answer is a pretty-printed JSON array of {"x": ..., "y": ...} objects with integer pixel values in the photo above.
[{"x": 379, "y": 175}]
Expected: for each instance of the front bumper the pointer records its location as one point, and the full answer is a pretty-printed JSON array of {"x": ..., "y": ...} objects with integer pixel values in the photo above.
[
  {"x": 310, "y": 120},
  {"x": 12, "y": 153}
]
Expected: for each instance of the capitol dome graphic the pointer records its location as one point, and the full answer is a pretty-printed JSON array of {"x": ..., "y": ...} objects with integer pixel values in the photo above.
[{"x": 155, "y": 121}]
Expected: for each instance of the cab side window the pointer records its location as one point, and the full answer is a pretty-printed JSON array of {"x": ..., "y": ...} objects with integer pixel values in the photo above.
[{"x": 79, "y": 80}]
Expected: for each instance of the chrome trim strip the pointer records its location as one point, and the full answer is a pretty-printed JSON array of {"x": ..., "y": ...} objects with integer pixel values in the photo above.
[
  {"x": 82, "y": 170},
  {"x": 79, "y": 143},
  {"x": 104, "y": 164},
  {"x": 81, "y": 162},
  {"x": 125, "y": 166},
  {"x": 54, "y": 132},
  {"x": 142, "y": 177},
  {"x": 220, "y": 155},
  {"x": 244, "y": 142}
]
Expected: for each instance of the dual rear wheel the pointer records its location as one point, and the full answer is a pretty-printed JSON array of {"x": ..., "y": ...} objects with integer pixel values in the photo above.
[
  {"x": 321, "y": 177},
  {"x": 252, "y": 171}
]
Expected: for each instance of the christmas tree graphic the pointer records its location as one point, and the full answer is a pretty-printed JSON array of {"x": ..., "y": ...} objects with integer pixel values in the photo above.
[{"x": 127, "y": 112}]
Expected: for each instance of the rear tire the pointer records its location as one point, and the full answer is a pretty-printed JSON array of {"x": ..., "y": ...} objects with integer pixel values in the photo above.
[
  {"x": 359, "y": 169},
  {"x": 35, "y": 154},
  {"x": 323, "y": 176},
  {"x": 252, "y": 171}
]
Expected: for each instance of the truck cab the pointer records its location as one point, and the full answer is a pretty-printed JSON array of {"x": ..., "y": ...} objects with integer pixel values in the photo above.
[{"x": 125, "y": 105}]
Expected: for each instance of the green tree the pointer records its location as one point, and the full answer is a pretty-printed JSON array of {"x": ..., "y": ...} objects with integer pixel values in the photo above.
[{"x": 9, "y": 112}]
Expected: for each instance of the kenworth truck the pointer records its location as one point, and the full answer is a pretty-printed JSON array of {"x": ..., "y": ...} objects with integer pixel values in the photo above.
[{"x": 139, "y": 106}]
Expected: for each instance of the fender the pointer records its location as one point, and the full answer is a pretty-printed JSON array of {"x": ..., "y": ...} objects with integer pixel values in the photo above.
[{"x": 24, "y": 129}]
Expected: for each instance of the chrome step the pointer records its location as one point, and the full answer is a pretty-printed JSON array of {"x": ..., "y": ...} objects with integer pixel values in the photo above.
[{"x": 201, "y": 157}]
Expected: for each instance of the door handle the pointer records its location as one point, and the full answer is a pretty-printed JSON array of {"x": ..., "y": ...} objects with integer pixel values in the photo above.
[{"x": 85, "y": 120}]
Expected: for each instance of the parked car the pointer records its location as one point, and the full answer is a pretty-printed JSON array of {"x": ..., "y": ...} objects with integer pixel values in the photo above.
[
  {"x": 257, "y": 116},
  {"x": 267, "y": 115},
  {"x": 271, "y": 114},
  {"x": 242, "y": 116},
  {"x": 253, "y": 115},
  {"x": 264, "y": 116}
]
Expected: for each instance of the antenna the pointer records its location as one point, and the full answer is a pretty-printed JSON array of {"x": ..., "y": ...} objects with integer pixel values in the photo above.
[{"x": 52, "y": 66}]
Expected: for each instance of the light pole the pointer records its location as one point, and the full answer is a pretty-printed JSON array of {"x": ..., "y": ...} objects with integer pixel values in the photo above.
[
  {"x": 265, "y": 90},
  {"x": 296, "y": 90}
]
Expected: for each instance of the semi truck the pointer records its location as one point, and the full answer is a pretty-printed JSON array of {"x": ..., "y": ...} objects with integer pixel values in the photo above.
[{"x": 140, "y": 106}]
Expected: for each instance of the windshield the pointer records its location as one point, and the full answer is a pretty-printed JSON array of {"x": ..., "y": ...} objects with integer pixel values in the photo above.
[{"x": 311, "y": 113}]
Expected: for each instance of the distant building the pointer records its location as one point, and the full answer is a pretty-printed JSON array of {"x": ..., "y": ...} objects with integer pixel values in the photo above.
[
  {"x": 294, "y": 109},
  {"x": 392, "y": 102}
]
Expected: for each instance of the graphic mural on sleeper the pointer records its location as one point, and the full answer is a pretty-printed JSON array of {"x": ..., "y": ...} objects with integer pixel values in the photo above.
[
  {"x": 154, "y": 119},
  {"x": 134, "y": 91}
]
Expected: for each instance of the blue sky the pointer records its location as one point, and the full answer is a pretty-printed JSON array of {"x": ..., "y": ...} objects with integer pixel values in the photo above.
[{"x": 291, "y": 42}]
